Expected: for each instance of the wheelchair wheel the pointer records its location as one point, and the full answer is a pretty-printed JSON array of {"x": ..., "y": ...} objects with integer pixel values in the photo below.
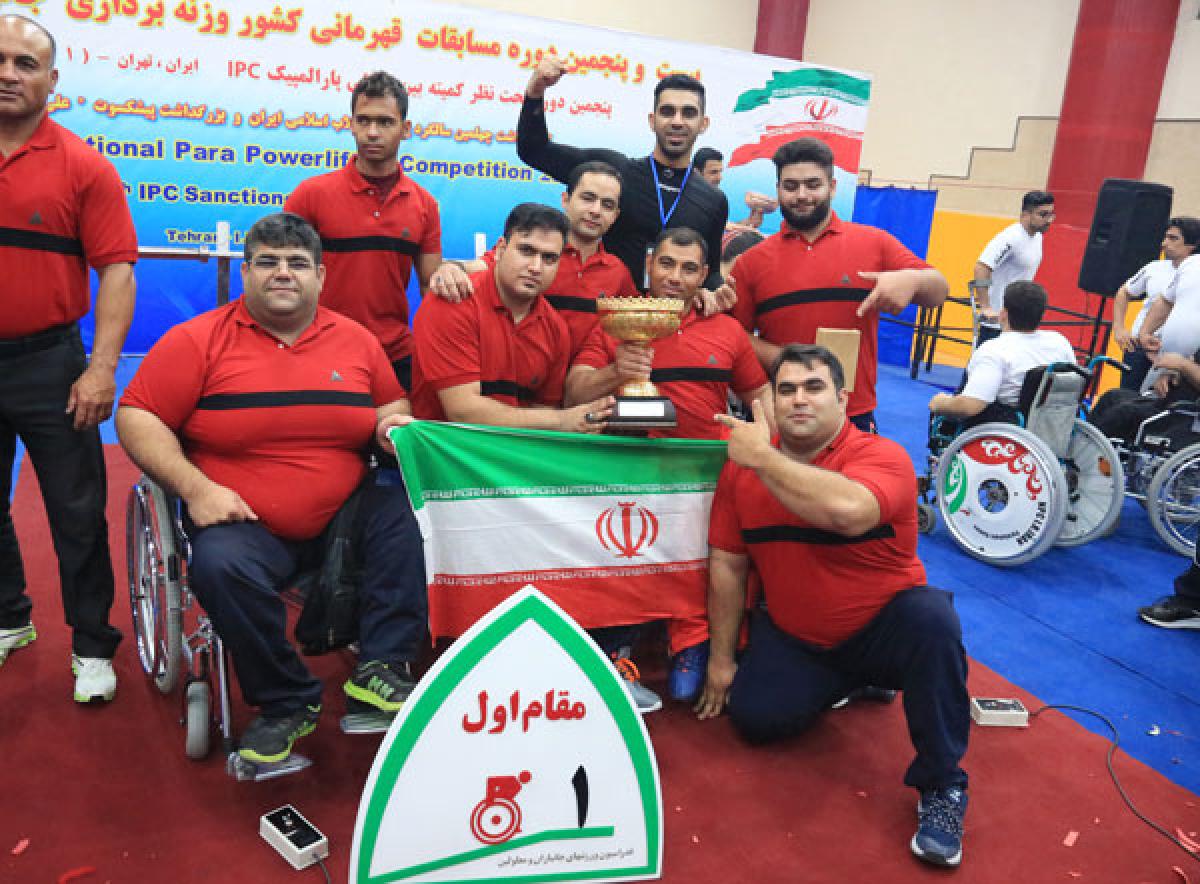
[
  {"x": 198, "y": 719},
  {"x": 154, "y": 591},
  {"x": 926, "y": 518},
  {"x": 1001, "y": 493},
  {"x": 1095, "y": 486},
  {"x": 1173, "y": 500}
]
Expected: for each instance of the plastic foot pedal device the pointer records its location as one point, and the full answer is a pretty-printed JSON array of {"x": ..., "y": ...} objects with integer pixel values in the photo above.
[
  {"x": 367, "y": 720},
  {"x": 297, "y": 840},
  {"x": 999, "y": 712},
  {"x": 253, "y": 771}
]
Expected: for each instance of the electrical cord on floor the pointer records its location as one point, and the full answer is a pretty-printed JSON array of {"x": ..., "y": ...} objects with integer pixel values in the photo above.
[
  {"x": 1113, "y": 745},
  {"x": 325, "y": 871}
]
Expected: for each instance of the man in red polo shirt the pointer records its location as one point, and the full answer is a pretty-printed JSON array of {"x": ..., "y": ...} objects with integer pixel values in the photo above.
[
  {"x": 586, "y": 271},
  {"x": 826, "y": 514},
  {"x": 375, "y": 222},
  {"x": 259, "y": 415},
  {"x": 500, "y": 357},
  {"x": 696, "y": 368},
  {"x": 819, "y": 271},
  {"x": 62, "y": 209}
]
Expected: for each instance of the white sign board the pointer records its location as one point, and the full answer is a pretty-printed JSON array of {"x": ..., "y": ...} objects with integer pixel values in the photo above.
[{"x": 519, "y": 757}]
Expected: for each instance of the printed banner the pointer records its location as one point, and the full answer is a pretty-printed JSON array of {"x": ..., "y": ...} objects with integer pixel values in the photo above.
[
  {"x": 519, "y": 757},
  {"x": 613, "y": 529},
  {"x": 214, "y": 111}
]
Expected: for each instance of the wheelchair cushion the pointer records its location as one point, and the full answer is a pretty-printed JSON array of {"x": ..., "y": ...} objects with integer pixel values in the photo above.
[{"x": 1050, "y": 397}]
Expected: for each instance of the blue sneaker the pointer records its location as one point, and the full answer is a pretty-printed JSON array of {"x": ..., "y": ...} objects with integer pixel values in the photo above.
[
  {"x": 940, "y": 815},
  {"x": 688, "y": 670}
]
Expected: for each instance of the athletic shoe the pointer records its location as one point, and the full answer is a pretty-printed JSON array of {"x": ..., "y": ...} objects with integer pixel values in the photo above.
[
  {"x": 866, "y": 692},
  {"x": 11, "y": 639},
  {"x": 1171, "y": 612},
  {"x": 643, "y": 698},
  {"x": 379, "y": 685},
  {"x": 940, "y": 815},
  {"x": 269, "y": 740},
  {"x": 94, "y": 679},
  {"x": 688, "y": 670}
]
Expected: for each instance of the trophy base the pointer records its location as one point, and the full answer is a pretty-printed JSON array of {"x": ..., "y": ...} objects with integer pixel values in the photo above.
[{"x": 638, "y": 415}]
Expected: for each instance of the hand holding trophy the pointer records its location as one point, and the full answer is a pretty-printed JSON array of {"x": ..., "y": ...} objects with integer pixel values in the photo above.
[{"x": 640, "y": 320}]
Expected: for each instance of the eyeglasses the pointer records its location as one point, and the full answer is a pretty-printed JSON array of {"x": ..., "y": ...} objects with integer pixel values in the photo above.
[{"x": 268, "y": 263}]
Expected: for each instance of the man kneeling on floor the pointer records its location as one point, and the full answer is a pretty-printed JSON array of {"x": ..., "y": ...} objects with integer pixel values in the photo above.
[
  {"x": 827, "y": 516},
  {"x": 259, "y": 415}
]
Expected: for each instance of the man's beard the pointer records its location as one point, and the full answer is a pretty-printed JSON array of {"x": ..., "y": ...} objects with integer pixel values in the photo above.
[
  {"x": 672, "y": 154},
  {"x": 808, "y": 221}
]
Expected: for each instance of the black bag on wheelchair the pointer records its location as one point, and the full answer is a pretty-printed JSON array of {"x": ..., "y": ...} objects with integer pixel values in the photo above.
[{"x": 329, "y": 619}]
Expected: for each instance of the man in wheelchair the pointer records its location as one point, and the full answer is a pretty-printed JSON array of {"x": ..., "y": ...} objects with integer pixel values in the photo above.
[
  {"x": 997, "y": 369},
  {"x": 260, "y": 415},
  {"x": 1120, "y": 413}
]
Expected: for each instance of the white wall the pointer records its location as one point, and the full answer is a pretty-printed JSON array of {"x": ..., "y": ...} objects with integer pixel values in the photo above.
[
  {"x": 728, "y": 23},
  {"x": 948, "y": 75},
  {"x": 1181, "y": 86}
]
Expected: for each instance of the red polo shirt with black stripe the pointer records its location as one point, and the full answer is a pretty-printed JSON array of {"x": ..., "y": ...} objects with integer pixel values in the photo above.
[
  {"x": 286, "y": 426},
  {"x": 369, "y": 246},
  {"x": 822, "y": 587},
  {"x": 578, "y": 283},
  {"x": 62, "y": 209},
  {"x": 787, "y": 288},
  {"x": 476, "y": 341},
  {"x": 695, "y": 368}
]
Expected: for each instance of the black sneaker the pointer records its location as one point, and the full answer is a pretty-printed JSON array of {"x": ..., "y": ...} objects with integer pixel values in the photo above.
[
  {"x": 939, "y": 834},
  {"x": 269, "y": 740},
  {"x": 1171, "y": 612},
  {"x": 382, "y": 686}
]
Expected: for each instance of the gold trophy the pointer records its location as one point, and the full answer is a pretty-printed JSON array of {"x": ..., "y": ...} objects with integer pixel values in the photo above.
[{"x": 640, "y": 320}]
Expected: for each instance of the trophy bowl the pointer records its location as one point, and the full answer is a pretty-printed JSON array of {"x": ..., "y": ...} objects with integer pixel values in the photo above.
[{"x": 640, "y": 320}]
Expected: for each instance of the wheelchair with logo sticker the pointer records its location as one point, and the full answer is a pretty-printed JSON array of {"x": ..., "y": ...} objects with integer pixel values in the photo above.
[
  {"x": 176, "y": 641},
  {"x": 1007, "y": 492}
]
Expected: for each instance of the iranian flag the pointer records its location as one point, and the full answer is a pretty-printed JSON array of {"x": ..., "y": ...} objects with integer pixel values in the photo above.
[
  {"x": 819, "y": 102},
  {"x": 613, "y": 529}
]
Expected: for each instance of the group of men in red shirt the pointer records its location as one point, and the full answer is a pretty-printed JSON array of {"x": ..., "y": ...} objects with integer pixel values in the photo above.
[{"x": 258, "y": 414}]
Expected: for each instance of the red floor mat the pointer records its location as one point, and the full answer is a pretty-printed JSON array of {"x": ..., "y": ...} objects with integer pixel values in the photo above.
[{"x": 110, "y": 788}]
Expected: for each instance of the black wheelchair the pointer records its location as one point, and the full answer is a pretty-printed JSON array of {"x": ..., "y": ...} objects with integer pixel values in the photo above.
[
  {"x": 176, "y": 641},
  {"x": 1007, "y": 492}
]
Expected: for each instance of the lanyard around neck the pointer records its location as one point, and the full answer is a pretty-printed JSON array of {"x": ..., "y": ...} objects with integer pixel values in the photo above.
[{"x": 664, "y": 215}]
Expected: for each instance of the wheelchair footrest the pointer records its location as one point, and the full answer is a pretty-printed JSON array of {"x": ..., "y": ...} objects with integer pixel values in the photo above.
[
  {"x": 253, "y": 771},
  {"x": 363, "y": 719}
]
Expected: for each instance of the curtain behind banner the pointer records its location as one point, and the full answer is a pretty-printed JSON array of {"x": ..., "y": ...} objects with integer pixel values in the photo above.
[{"x": 908, "y": 216}]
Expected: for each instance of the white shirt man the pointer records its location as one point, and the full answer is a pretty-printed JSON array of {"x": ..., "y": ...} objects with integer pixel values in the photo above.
[
  {"x": 1015, "y": 253},
  {"x": 1172, "y": 324}
]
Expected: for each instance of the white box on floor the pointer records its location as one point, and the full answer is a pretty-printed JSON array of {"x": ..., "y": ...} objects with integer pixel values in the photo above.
[{"x": 999, "y": 712}]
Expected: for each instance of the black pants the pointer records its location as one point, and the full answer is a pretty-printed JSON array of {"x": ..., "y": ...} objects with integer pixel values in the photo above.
[
  {"x": 1187, "y": 584},
  {"x": 1139, "y": 365},
  {"x": 914, "y": 644},
  {"x": 70, "y": 468},
  {"x": 1119, "y": 413},
  {"x": 239, "y": 570}
]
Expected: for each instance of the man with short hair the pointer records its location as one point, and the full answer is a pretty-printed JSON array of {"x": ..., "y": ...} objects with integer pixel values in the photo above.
[
  {"x": 500, "y": 357},
  {"x": 998, "y": 367},
  {"x": 658, "y": 191},
  {"x": 810, "y": 274},
  {"x": 62, "y": 209},
  {"x": 826, "y": 515},
  {"x": 586, "y": 271},
  {"x": 1172, "y": 323},
  {"x": 709, "y": 163},
  {"x": 375, "y": 222},
  {"x": 696, "y": 368},
  {"x": 1181, "y": 240},
  {"x": 260, "y": 415},
  {"x": 1015, "y": 253}
]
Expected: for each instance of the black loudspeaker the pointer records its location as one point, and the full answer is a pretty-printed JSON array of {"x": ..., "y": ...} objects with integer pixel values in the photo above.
[{"x": 1127, "y": 230}]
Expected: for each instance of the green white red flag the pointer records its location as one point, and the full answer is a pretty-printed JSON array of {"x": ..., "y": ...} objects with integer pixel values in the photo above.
[
  {"x": 818, "y": 102},
  {"x": 613, "y": 529}
]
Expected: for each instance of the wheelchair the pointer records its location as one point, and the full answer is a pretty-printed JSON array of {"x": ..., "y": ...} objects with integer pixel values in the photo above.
[
  {"x": 176, "y": 641},
  {"x": 1162, "y": 466},
  {"x": 1007, "y": 492}
]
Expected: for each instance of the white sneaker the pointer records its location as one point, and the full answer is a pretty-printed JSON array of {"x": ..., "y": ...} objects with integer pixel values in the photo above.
[
  {"x": 94, "y": 679},
  {"x": 11, "y": 639}
]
